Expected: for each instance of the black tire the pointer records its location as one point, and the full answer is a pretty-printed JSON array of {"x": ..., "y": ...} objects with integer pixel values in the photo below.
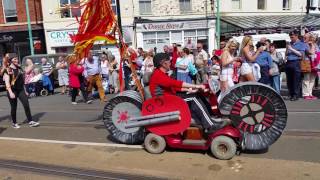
[
  {"x": 154, "y": 144},
  {"x": 111, "y": 115},
  {"x": 44, "y": 92},
  {"x": 257, "y": 111},
  {"x": 223, "y": 147}
]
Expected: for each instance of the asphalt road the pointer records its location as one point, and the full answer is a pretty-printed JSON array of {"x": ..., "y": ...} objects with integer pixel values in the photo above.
[
  {"x": 61, "y": 121},
  {"x": 303, "y": 115}
]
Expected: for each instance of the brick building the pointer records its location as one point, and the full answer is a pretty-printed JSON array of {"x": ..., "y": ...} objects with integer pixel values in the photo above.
[{"x": 14, "y": 29}]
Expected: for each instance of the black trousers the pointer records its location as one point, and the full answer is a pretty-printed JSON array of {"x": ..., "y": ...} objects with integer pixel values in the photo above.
[
  {"x": 21, "y": 95},
  {"x": 293, "y": 73},
  {"x": 75, "y": 92},
  {"x": 199, "y": 108}
]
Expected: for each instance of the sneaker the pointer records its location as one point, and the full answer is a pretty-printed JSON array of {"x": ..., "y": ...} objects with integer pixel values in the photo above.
[
  {"x": 89, "y": 101},
  {"x": 16, "y": 126},
  {"x": 313, "y": 98},
  {"x": 307, "y": 97},
  {"x": 33, "y": 124},
  {"x": 294, "y": 98},
  {"x": 74, "y": 103}
]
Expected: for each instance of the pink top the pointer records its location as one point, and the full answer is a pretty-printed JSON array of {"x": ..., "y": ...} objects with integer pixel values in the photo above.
[{"x": 28, "y": 76}]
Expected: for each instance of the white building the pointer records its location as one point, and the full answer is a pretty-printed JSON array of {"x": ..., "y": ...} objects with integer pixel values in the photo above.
[
  {"x": 59, "y": 24},
  {"x": 314, "y": 7},
  {"x": 263, "y": 16},
  {"x": 164, "y": 22}
]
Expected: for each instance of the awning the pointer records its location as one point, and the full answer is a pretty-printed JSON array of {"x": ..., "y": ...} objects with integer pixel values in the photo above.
[{"x": 268, "y": 22}]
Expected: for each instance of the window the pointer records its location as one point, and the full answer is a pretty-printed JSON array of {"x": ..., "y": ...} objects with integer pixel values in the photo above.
[
  {"x": 145, "y": 6},
  {"x": 10, "y": 10},
  {"x": 261, "y": 4},
  {"x": 114, "y": 6},
  {"x": 286, "y": 4},
  {"x": 176, "y": 37},
  {"x": 155, "y": 40},
  {"x": 68, "y": 12},
  {"x": 314, "y": 3},
  {"x": 236, "y": 4},
  {"x": 195, "y": 35},
  {"x": 185, "y": 6}
]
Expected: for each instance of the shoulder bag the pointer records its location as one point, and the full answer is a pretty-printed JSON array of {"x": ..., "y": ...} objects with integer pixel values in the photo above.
[{"x": 305, "y": 65}]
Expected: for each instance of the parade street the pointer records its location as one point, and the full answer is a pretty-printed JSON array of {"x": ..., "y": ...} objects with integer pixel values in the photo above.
[{"x": 73, "y": 136}]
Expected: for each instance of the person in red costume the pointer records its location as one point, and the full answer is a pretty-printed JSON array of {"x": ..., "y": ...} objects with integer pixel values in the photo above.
[{"x": 161, "y": 84}]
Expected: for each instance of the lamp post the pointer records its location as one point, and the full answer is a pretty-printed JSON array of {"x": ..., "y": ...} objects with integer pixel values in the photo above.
[
  {"x": 29, "y": 28},
  {"x": 218, "y": 24},
  {"x": 119, "y": 15}
]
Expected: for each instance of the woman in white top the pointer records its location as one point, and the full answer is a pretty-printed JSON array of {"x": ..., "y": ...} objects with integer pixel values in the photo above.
[
  {"x": 248, "y": 57},
  {"x": 63, "y": 76},
  {"x": 147, "y": 65},
  {"x": 227, "y": 60},
  {"x": 182, "y": 66},
  {"x": 104, "y": 67}
]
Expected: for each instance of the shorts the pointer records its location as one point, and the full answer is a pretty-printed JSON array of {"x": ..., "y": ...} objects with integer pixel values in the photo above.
[
  {"x": 245, "y": 69},
  {"x": 63, "y": 80}
]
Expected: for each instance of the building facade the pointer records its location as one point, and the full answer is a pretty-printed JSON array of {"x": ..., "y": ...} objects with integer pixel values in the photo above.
[
  {"x": 264, "y": 16},
  {"x": 314, "y": 7},
  {"x": 159, "y": 23},
  {"x": 14, "y": 30},
  {"x": 60, "y": 22}
]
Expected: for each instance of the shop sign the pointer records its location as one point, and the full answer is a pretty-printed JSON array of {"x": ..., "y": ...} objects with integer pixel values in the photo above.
[
  {"x": 174, "y": 25},
  {"x": 61, "y": 38},
  {"x": 5, "y": 38}
]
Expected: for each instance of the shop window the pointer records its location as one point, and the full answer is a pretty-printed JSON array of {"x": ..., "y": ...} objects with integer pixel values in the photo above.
[
  {"x": 262, "y": 4},
  {"x": 286, "y": 4},
  {"x": 157, "y": 40},
  {"x": 114, "y": 6},
  {"x": 67, "y": 11},
  {"x": 313, "y": 3},
  {"x": 190, "y": 33},
  {"x": 176, "y": 37},
  {"x": 10, "y": 11},
  {"x": 145, "y": 6},
  {"x": 185, "y": 6},
  {"x": 149, "y": 40},
  {"x": 196, "y": 36},
  {"x": 236, "y": 4}
]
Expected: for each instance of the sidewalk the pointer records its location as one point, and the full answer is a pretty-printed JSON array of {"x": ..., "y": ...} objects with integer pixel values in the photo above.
[{"x": 172, "y": 165}]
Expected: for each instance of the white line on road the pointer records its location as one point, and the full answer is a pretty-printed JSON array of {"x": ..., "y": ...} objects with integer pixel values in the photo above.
[
  {"x": 303, "y": 112},
  {"x": 72, "y": 142}
]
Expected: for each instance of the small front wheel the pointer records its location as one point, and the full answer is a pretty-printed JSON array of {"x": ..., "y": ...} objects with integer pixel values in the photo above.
[
  {"x": 44, "y": 92},
  {"x": 223, "y": 147},
  {"x": 154, "y": 144}
]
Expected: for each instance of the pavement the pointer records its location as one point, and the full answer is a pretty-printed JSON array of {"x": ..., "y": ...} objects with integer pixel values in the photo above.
[
  {"x": 169, "y": 165},
  {"x": 74, "y": 136}
]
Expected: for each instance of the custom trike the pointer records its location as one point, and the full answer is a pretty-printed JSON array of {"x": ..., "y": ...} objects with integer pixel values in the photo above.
[{"x": 257, "y": 114}]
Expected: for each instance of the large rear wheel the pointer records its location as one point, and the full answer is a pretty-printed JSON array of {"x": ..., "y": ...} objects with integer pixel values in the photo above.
[
  {"x": 117, "y": 113},
  {"x": 257, "y": 111}
]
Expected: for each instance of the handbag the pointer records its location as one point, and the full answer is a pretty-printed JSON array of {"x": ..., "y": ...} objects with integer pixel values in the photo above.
[
  {"x": 192, "y": 69},
  {"x": 305, "y": 65},
  {"x": 274, "y": 70}
]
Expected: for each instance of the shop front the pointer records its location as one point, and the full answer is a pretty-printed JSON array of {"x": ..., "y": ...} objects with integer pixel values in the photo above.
[
  {"x": 18, "y": 43},
  {"x": 156, "y": 34},
  {"x": 59, "y": 41}
]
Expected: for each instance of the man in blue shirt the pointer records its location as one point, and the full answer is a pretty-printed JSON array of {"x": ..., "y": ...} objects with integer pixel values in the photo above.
[
  {"x": 296, "y": 50},
  {"x": 265, "y": 62}
]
